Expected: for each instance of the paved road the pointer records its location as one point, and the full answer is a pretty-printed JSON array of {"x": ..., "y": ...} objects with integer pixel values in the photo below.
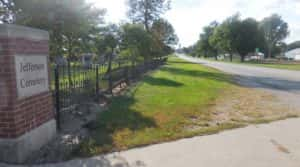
[
  {"x": 270, "y": 145},
  {"x": 285, "y": 84}
]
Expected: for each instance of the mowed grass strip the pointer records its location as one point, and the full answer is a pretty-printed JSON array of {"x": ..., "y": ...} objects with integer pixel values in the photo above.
[
  {"x": 295, "y": 67},
  {"x": 160, "y": 108}
]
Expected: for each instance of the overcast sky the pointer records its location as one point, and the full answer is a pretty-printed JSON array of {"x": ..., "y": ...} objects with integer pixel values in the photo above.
[{"x": 190, "y": 16}]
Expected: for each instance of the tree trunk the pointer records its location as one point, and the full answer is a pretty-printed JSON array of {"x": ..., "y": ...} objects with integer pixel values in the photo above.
[
  {"x": 269, "y": 52},
  {"x": 230, "y": 57},
  {"x": 242, "y": 58},
  {"x": 216, "y": 55},
  {"x": 147, "y": 26},
  {"x": 146, "y": 19},
  {"x": 110, "y": 61}
]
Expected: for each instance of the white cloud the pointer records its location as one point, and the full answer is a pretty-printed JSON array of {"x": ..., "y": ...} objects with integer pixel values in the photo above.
[{"x": 190, "y": 16}]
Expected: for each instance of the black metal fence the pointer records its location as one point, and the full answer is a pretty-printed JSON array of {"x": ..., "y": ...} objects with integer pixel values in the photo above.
[{"x": 75, "y": 85}]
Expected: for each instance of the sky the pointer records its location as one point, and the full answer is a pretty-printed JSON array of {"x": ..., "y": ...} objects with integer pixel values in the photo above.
[{"x": 190, "y": 16}]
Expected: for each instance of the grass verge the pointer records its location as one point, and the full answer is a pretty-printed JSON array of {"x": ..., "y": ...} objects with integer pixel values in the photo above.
[
  {"x": 295, "y": 67},
  {"x": 279, "y": 66},
  {"x": 177, "y": 101}
]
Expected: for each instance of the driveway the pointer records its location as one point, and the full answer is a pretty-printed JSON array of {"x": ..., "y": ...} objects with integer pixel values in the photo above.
[{"x": 285, "y": 84}]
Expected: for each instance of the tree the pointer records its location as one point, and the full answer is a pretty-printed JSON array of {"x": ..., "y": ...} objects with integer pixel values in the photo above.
[
  {"x": 138, "y": 42},
  {"x": 197, "y": 50},
  {"x": 68, "y": 21},
  {"x": 248, "y": 37},
  {"x": 189, "y": 50},
  {"x": 164, "y": 32},
  {"x": 147, "y": 11},
  {"x": 109, "y": 42},
  {"x": 203, "y": 46},
  {"x": 79, "y": 21},
  {"x": 275, "y": 30},
  {"x": 164, "y": 37},
  {"x": 225, "y": 34}
]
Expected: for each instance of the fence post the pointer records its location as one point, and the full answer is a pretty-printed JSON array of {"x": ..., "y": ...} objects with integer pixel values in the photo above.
[
  {"x": 132, "y": 70},
  {"x": 57, "y": 97},
  {"x": 127, "y": 75},
  {"x": 97, "y": 82},
  {"x": 110, "y": 83}
]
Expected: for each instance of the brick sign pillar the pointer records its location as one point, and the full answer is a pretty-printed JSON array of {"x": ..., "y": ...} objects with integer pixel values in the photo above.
[{"x": 26, "y": 106}]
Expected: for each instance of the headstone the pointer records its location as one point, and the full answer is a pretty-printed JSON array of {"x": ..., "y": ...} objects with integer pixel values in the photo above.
[
  {"x": 26, "y": 105},
  {"x": 87, "y": 59},
  {"x": 61, "y": 61}
]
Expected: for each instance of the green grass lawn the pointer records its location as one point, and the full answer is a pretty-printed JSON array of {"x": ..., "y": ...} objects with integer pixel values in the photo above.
[
  {"x": 179, "y": 100},
  {"x": 160, "y": 108},
  {"x": 278, "y": 66}
]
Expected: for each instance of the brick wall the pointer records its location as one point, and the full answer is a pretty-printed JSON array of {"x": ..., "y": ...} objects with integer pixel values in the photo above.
[{"x": 18, "y": 116}]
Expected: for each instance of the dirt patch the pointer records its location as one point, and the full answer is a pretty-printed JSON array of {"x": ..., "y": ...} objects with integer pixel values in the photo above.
[
  {"x": 249, "y": 105},
  {"x": 243, "y": 106}
]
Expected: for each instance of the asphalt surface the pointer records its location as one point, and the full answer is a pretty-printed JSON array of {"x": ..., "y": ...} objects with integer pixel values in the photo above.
[
  {"x": 270, "y": 145},
  {"x": 285, "y": 84}
]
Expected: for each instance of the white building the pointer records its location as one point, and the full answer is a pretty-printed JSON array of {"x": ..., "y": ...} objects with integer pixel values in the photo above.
[
  {"x": 255, "y": 56},
  {"x": 293, "y": 54}
]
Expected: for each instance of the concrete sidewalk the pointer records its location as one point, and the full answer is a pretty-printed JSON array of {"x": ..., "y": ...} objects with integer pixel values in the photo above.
[{"x": 269, "y": 145}]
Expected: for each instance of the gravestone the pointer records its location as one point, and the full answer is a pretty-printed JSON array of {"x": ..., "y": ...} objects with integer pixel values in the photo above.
[
  {"x": 26, "y": 106},
  {"x": 87, "y": 59},
  {"x": 61, "y": 61}
]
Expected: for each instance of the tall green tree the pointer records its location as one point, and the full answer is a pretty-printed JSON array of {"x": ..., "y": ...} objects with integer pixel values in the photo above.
[
  {"x": 164, "y": 37},
  {"x": 109, "y": 42},
  {"x": 224, "y": 35},
  {"x": 164, "y": 31},
  {"x": 137, "y": 41},
  {"x": 248, "y": 37},
  {"x": 275, "y": 30},
  {"x": 203, "y": 46},
  {"x": 147, "y": 11},
  {"x": 67, "y": 21}
]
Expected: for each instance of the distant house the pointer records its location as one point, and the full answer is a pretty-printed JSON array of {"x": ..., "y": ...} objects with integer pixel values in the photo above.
[
  {"x": 293, "y": 54},
  {"x": 258, "y": 56},
  {"x": 221, "y": 57},
  {"x": 224, "y": 56},
  {"x": 255, "y": 56}
]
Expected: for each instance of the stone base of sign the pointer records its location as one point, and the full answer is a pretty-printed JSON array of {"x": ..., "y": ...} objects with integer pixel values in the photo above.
[{"x": 17, "y": 150}]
